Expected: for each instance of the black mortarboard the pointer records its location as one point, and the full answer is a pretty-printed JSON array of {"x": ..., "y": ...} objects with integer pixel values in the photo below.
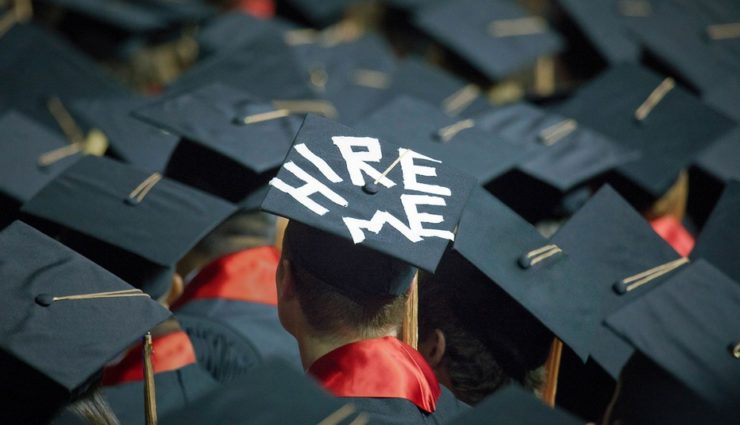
[
  {"x": 233, "y": 29},
  {"x": 539, "y": 275},
  {"x": 719, "y": 240},
  {"x": 682, "y": 37},
  {"x": 725, "y": 97},
  {"x": 271, "y": 394},
  {"x": 514, "y": 405},
  {"x": 354, "y": 227},
  {"x": 129, "y": 139},
  {"x": 24, "y": 142},
  {"x": 561, "y": 153},
  {"x": 53, "y": 346},
  {"x": 688, "y": 327},
  {"x": 416, "y": 78},
  {"x": 352, "y": 75},
  {"x": 175, "y": 390},
  {"x": 612, "y": 242},
  {"x": 644, "y": 111},
  {"x": 36, "y": 65},
  {"x": 264, "y": 66},
  {"x": 604, "y": 23},
  {"x": 428, "y": 130},
  {"x": 721, "y": 160},
  {"x": 219, "y": 152},
  {"x": 132, "y": 222},
  {"x": 497, "y": 37}
]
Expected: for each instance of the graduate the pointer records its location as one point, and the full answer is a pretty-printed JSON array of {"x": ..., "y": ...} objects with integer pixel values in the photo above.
[{"x": 348, "y": 264}]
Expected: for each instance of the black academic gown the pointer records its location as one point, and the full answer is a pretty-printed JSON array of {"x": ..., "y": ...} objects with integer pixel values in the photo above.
[{"x": 398, "y": 411}]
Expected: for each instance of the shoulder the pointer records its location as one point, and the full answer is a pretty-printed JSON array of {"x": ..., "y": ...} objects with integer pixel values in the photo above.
[{"x": 399, "y": 411}]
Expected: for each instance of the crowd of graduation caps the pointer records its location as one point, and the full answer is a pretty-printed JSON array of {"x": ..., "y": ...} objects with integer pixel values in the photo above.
[{"x": 138, "y": 138}]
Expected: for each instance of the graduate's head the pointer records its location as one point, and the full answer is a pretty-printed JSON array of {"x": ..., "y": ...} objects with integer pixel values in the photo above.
[
  {"x": 475, "y": 336},
  {"x": 332, "y": 288}
]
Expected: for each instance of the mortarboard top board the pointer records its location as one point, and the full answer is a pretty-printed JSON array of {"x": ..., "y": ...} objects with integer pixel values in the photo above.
[
  {"x": 691, "y": 38},
  {"x": 603, "y": 22},
  {"x": 36, "y": 65},
  {"x": 129, "y": 139},
  {"x": 362, "y": 219},
  {"x": 264, "y": 66},
  {"x": 235, "y": 28},
  {"x": 688, "y": 327},
  {"x": 725, "y": 98},
  {"x": 721, "y": 160},
  {"x": 613, "y": 242},
  {"x": 497, "y": 37},
  {"x": 219, "y": 152},
  {"x": 416, "y": 78},
  {"x": 422, "y": 126},
  {"x": 132, "y": 222},
  {"x": 514, "y": 405},
  {"x": 51, "y": 348},
  {"x": 541, "y": 277},
  {"x": 672, "y": 128},
  {"x": 719, "y": 240},
  {"x": 23, "y": 143},
  {"x": 352, "y": 75},
  {"x": 562, "y": 153},
  {"x": 270, "y": 394}
]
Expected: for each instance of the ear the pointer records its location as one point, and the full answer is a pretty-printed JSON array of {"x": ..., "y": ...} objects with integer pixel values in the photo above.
[
  {"x": 433, "y": 348},
  {"x": 176, "y": 289},
  {"x": 285, "y": 282}
]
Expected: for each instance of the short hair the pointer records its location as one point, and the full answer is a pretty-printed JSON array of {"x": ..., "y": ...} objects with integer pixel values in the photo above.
[
  {"x": 332, "y": 313},
  {"x": 478, "y": 362}
]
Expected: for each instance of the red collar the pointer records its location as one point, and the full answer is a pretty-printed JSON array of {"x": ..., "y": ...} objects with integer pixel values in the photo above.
[
  {"x": 170, "y": 352},
  {"x": 378, "y": 368},
  {"x": 673, "y": 232},
  {"x": 247, "y": 275}
]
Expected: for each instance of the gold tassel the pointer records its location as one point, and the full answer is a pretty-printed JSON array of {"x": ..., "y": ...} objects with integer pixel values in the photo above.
[
  {"x": 410, "y": 330},
  {"x": 150, "y": 396},
  {"x": 552, "y": 368}
]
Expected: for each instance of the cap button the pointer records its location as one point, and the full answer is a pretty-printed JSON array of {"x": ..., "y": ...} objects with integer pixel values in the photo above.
[
  {"x": 44, "y": 300},
  {"x": 370, "y": 188},
  {"x": 735, "y": 350}
]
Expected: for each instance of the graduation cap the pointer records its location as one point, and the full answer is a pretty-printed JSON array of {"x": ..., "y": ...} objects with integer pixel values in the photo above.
[
  {"x": 231, "y": 143},
  {"x": 129, "y": 139},
  {"x": 264, "y": 66},
  {"x": 687, "y": 329},
  {"x": 36, "y": 65},
  {"x": 719, "y": 240},
  {"x": 29, "y": 161},
  {"x": 232, "y": 29},
  {"x": 416, "y": 78},
  {"x": 271, "y": 394},
  {"x": 725, "y": 97},
  {"x": 604, "y": 23},
  {"x": 514, "y": 405},
  {"x": 623, "y": 258},
  {"x": 352, "y": 75},
  {"x": 64, "y": 318},
  {"x": 649, "y": 113},
  {"x": 128, "y": 16},
  {"x": 428, "y": 130},
  {"x": 694, "y": 39},
  {"x": 132, "y": 222},
  {"x": 364, "y": 211},
  {"x": 497, "y": 37},
  {"x": 561, "y": 153}
]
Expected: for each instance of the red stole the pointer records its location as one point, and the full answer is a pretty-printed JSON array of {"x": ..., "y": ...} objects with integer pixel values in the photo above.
[
  {"x": 170, "y": 352},
  {"x": 378, "y": 368},
  {"x": 673, "y": 232},
  {"x": 247, "y": 275}
]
